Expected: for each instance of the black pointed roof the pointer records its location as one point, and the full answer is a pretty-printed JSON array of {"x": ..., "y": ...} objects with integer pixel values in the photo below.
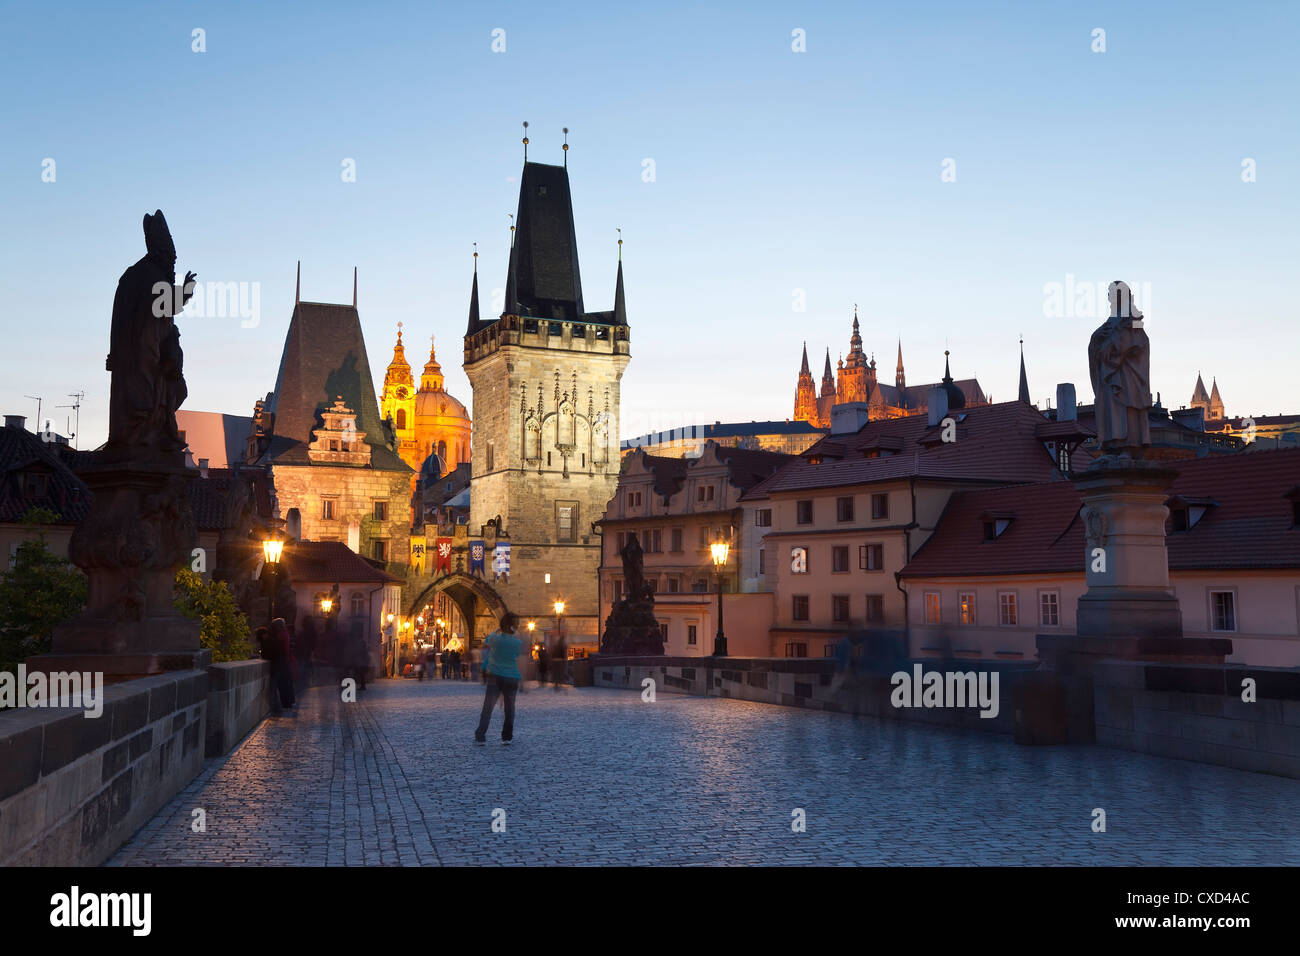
[
  {"x": 475, "y": 323},
  {"x": 1024, "y": 379},
  {"x": 544, "y": 259},
  {"x": 620, "y": 307},
  {"x": 324, "y": 357}
]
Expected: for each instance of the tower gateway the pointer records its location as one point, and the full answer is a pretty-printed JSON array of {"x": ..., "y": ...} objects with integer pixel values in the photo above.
[{"x": 546, "y": 376}]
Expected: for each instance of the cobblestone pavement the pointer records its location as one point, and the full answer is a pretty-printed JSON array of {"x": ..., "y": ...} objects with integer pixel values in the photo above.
[{"x": 597, "y": 776}]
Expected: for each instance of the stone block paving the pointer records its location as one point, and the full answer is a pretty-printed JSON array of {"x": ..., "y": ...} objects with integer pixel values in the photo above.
[{"x": 598, "y": 776}]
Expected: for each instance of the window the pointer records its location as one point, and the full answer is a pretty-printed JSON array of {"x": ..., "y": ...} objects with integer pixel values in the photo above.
[
  {"x": 566, "y": 521},
  {"x": 401, "y": 418},
  {"x": 1063, "y": 459},
  {"x": 843, "y": 509},
  {"x": 634, "y": 499},
  {"x": 840, "y": 608},
  {"x": 1049, "y": 608},
  {"x": 871, "y": 557},
  {"x": 799, "y": 607},
  {"x": 692, "y": 634},
  {"x": 676, "y": 540},
  {"x": 966, "y": 607},
  {"x": 357, "y": 605},
  {"x": 700, "y": 586},
  {"x": 492, "y": 456},
  {"x": 796, "y": 649},
  {"x": 762, "y": 561},
  {"x": 704, "y": 538},
  {"x": 840, "y": 558},
  {"x": 379, "y": 549},
  {"x": 932, "y": 607},
  {"x": 654, "y": 540},
  {"x": 674, "y": 584},
  {"x": 554, "y": 328},
  {"x": 875, "y": 608},
  {"x": 1007, "y": 608},
  {"x": 803, "y": 512},
  {"x": 1223, "y": 611},
  {"x": 327, "y": 509},
  {"x": 763, "y": 517},
  {"x": 334, "y": 444},
  {"x": 1178, "y": 519},
  {"x": 381, "y": 510},
  {"x": 663, "y": 632},
  {"x": 704, "y": 493},
  {"x": 35, "y": 486},
  {"x": 880, "y": 506}
]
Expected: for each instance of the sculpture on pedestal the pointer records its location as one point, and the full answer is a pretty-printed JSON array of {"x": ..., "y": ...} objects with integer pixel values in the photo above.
[
  {"x": 632, "y": 627},
  {"x": 140, "y": 527},
  {"x": 1119, "y": 364}
]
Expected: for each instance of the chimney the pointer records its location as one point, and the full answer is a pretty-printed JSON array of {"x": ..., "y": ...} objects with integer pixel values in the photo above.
[
  {"x": 203, "y": 467},
  {"x": 938, "y": 405},
  {"x": 848, "y": 418},
  {"x": 1066, "y": 410},
  {"x": 16, "y": 421}
]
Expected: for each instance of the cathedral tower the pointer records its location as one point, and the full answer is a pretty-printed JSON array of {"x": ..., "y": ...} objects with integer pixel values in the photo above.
[
  {"x": 546, "y": 376},
  {"x": 805, "y": 394},
  {"x": 853, "y": 383},
  {"x": 397, "y": 403}
]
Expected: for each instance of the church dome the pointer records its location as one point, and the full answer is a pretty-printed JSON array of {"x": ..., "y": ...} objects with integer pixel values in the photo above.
[{"x": 438, "y": 404}]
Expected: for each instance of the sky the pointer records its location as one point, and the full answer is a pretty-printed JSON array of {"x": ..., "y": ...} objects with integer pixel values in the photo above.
[{"x": 949, "y": 168}]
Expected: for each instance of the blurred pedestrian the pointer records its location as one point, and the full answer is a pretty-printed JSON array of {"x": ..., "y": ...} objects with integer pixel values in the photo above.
[
  {"x": 281, "y": 666},
  {"x": 501, "y": 660},
  {"x": 559, "y": 662},
  {"x": 543, "y": 662}
]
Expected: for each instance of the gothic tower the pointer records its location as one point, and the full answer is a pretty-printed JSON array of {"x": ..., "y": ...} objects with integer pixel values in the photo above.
[
  {"x": 1216, "y": 403},
  {"x": 900, "y": 380},
  {"x": 805, "y": 394},
  {"x": 397, "y": 403},
  {"x": 856, "y": 371},
  {"x": 546, "y": 376}
]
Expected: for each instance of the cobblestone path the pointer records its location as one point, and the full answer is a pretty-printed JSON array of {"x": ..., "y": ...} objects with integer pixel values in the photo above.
[{"x": 598, "y": 777}]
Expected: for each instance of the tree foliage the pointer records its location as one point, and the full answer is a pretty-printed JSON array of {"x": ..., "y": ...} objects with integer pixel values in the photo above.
[
  {"x": 40, "y": 592},
  {"x": 224, "y": 628}
]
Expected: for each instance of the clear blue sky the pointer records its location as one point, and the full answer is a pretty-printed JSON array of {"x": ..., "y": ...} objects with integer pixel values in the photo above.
[{"x": 775, "y": 171}]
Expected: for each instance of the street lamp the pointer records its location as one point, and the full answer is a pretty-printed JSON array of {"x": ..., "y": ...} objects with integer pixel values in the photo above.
[
  {"x": 559, "y": 617},
  {"x": 272, "y": 549},
  {"x": 326, "y": 605},
  {"x": 720, "y": 549}
]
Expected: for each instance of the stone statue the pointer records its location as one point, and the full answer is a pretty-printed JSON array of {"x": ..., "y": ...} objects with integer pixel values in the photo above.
[
  {"x": 145, "y": 357},
  {"x": 1119, "y": 363},
  {"x": 632, "y": 627},
  {"x": 633, "y": 568}
]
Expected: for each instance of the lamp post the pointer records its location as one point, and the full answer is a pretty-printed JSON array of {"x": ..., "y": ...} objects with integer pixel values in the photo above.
[
  {"x": 559, "y": 618},
  {"x": 720, "y": 550},
  {"x": 272, "y": 549}
]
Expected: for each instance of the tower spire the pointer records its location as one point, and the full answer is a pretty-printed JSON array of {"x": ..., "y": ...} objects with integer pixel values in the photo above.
[
  {"x": 473, "y": 325},
  {"x": 297, "y": 285},
  {"x": 620, "y": 305},
  {"x": 1024, "y": 379},
  {"x": 803, "y": 369},
  {"x": 900, "y": 380},
  {"x": 525, "y": 141},
  {"x": 354, "y": 287},
  {"x": 566, "y": 147}
]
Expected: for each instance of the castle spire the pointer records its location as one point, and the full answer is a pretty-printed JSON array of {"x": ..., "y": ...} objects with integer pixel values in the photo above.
[
  {"x": 900, "y": 380},
  {"x": 828, "y": 376},
  {"x": 803, "y": 368},
  {"x": 399, "y": 370},
  {"x": 297, "y": 285},
  {"x": 1024, "y": 379},
  {"x": 354, "y": 287},
  {"x": 474, "y": 323}
]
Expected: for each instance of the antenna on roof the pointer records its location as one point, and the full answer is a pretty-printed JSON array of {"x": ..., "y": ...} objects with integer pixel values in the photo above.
[
  {"x": 37, "y": 399},
  {"x": 76, "y": 408},
  {"x": 525, "y": 141},
  {"x": 566, "y": 147}
]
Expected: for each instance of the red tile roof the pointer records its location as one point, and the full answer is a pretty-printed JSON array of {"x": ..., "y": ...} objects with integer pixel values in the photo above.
[
  {"x": 330, "y": 562},
  {"x": 1249, "y": 526},
  {"x": 994, "y": 443}
]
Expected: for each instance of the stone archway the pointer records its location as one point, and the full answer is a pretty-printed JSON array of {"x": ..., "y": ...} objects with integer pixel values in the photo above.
[{"x": 473, "y": 596}]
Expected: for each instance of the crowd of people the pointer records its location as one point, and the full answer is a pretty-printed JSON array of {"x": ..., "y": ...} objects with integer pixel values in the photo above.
[{"x": 295, "y": 653}]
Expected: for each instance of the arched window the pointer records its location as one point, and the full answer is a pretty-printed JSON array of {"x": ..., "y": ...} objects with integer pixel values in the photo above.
[
  {"x": 401, "y": 418},
  {"x": 442, "y": 450}
]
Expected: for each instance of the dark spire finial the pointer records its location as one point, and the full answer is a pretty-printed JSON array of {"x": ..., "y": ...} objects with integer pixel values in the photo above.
[
  {"x": 620, "y": 244},
  {"x": 566, "y": 147},
  {"x": 476, "y": 258},
  {"x": 525, "y": 141}
]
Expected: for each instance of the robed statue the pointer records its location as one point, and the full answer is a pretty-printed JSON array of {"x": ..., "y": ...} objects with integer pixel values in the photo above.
[
  {"x": 1119, "y": 363},
  {"x": 145, "y": 352},
  {"x": 633, "y": 569}
]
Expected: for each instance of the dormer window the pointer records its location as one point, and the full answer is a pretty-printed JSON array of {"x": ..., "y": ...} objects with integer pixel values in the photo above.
[
  {"x": 36, "y": 485},
  {"x": 1185, "y": 513},
  {"x": 995, "y": 525}
]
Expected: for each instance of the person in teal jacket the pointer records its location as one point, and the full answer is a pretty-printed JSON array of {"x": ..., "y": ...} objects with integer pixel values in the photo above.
[{"x": 501, "y": 650}]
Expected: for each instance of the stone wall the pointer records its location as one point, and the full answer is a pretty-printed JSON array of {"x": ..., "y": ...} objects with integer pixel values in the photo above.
[
  {"x": 237, "y": 701},
  {"x": 804, "y": 682},
  {"x": 1196, "y": 713},
  {"x": 73, "y": 789}
]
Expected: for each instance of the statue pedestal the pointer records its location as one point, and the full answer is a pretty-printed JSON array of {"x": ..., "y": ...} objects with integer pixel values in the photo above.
[
  {"x": 140, "y": 529},
  {"x": 1129, "y": 611},
  {"x": 1127, "y": 566},
  {"x": 632, "y": 630}
]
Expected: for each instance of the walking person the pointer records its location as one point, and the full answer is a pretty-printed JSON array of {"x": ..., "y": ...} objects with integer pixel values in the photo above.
[
  {"x": 543, "y": 663},
  {"x": 501, "y": 658},
  {"x": 281, "y": 665},
  {"x": 559, "y": 663},
  {"x": 358, "y": 655}
]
